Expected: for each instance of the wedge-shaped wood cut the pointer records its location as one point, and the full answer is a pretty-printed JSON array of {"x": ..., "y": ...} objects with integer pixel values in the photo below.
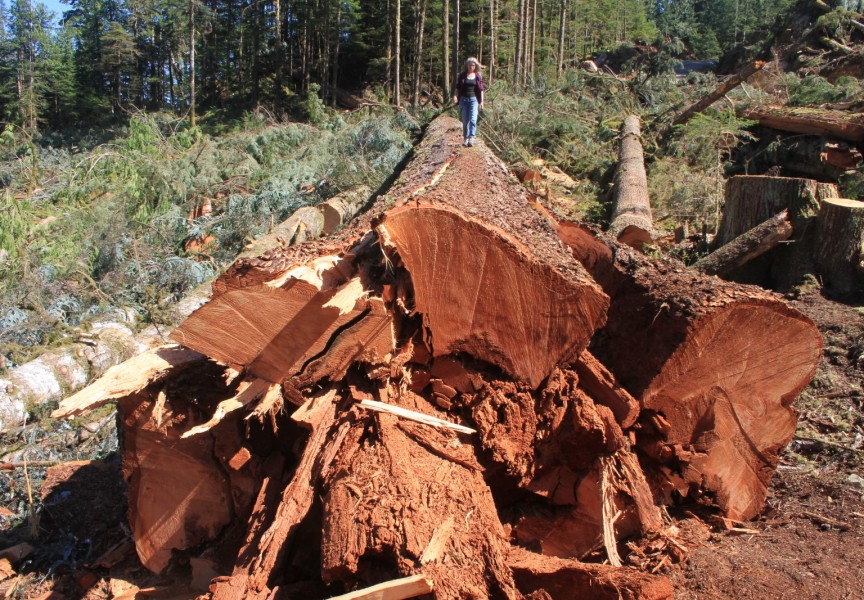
[
  {"x": 127, "y": 378},
  {"x": 501, "y": 304},
  {"x": 715, "y": 365},
  {"x": 274, "y": 332},
  {"x": 178, "y": 493}
]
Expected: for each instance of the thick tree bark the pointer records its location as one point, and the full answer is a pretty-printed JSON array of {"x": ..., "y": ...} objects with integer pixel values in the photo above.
[
  {"x": 839, "y": 247},
  {"x": 752, "y": 199},
  {"x": 701, "y": 356},
  {"x": 816, "y": 121},
  {"x": 631, "y": 223},
  {"x": 747, "y": 246}
]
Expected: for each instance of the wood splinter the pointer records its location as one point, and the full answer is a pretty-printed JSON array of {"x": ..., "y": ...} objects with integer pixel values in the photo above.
[
  {"x": 414, "y": 416},
  {"x": 396, "y": 589}
]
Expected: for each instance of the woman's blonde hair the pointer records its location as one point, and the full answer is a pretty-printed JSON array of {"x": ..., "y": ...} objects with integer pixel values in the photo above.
[{"x": 475, "y": 61}]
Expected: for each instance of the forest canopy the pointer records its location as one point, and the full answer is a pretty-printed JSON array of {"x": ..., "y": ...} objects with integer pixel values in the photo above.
[{"x": 103, "y": 57}]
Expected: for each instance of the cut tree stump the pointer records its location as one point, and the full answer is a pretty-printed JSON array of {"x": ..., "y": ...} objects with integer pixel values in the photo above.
[
  {"x": 753, "y": 199},
  {"x": 746, "y": 246},
  {"x": 179, "y": 495},
  {"x": 702, "y": 357},
  {"x": 839, "y": 247},
  {"x": 631, "y": 222},
  {"x": 816, "y": 121}
]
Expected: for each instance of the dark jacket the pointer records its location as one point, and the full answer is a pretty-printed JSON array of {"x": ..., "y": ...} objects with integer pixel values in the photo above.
[{"x": 459, "y": 90}]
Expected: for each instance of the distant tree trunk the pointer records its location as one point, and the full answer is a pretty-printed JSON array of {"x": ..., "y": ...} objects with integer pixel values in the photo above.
[
  {"x": 562, "y": 22},
  {"x": 445, "y": 17},
  {"x": 191, "y": 63},
  {"x": 517, "y": 62},
  {"x": 334, "y": 63},
  {"x": 277, "y": 80},
  {"x": 492, "y": 40},
  {"x": 456, "y": 26},
  {"x": 388, "y": 70},
  {"x": 480, "y": 37},
  {"x": 418, "y": 56},
  {"x": 171, "y": 80},
  {"x": 533, "y": 46},
  {"x": 397, "y": 96}
]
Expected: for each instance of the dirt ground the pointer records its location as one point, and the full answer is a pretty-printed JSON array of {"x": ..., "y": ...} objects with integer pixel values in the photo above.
[{"x": 806, "y": 544}]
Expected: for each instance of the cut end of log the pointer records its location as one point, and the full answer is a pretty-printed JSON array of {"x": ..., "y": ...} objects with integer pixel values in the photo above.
[
  {"x": 499, "y": 304},
  {"x": 635, "y": 236}
]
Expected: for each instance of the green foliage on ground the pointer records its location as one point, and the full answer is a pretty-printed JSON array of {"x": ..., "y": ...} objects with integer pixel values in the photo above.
[
  {"x": 574, "y": 124},
  {"x": 101, "y": 230}
]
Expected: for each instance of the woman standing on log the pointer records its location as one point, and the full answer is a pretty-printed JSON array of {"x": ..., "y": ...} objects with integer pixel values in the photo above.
[{"x": 469, "y": 95}]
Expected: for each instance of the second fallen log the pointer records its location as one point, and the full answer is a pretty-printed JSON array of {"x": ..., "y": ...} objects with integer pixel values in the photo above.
[
  {"x": 702, "y": 356},
  {"x": 631, "y": 222},
  {"x": 746, "y": 246}
]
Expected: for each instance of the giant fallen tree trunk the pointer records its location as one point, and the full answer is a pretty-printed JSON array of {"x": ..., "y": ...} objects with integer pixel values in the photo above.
[
  {"x": 631, "y": 222},
  {"x": 435, "y": 357},
  {"x": 816, "y": 121},
  {"x": 702, "y": 357}
]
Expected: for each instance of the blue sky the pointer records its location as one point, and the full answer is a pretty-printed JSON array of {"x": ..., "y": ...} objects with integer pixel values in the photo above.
[{"x": 55, "y": 6}]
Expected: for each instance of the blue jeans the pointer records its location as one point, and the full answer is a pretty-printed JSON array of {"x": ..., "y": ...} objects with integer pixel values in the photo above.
[{"x": 468, "y": 110}]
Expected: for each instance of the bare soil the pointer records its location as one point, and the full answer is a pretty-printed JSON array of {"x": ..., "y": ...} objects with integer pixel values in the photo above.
[
  {"x": 792, "y": 554},
  {"x": 806, "y": 544}
]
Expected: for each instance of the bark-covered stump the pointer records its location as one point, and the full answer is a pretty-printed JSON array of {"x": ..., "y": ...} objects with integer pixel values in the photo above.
[
  {"x": 753, "y": 199},
  {"x": 839, "y": 246}
]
